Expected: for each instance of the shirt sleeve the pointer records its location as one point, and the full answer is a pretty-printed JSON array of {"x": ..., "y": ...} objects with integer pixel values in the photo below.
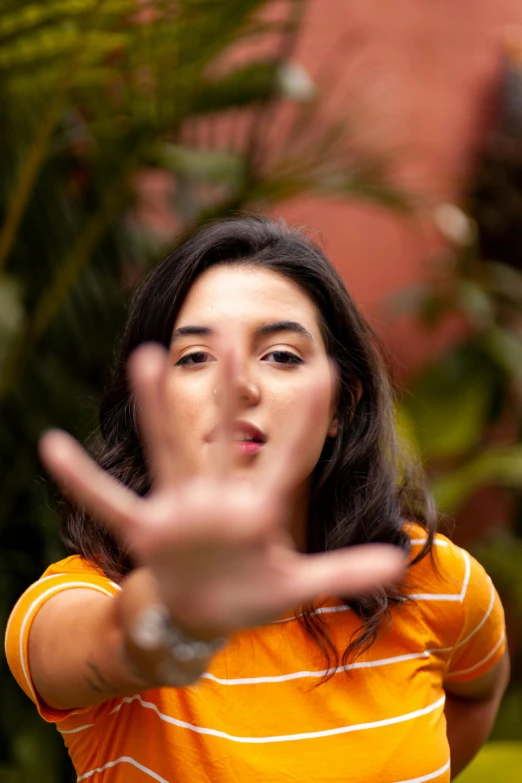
[
  {"x": 22, "y": 617},
  {"x": 481, "y": 641}
]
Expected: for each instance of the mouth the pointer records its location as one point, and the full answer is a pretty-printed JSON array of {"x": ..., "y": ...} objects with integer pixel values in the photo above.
[{"x": 247, "y": 438}]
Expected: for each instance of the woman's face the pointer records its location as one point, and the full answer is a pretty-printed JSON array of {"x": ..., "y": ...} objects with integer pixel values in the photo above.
[{"x": 271, "y": 328}]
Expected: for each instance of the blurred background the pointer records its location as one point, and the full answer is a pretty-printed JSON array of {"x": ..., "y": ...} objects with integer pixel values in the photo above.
[{"x": 394, "y": 131}]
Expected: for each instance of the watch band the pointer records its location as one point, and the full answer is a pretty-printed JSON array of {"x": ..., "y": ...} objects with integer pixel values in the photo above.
[{"x": 155, "y": 629}]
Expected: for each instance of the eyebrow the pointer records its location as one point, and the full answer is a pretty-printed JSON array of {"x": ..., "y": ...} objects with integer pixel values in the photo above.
[
  {"x": 183, "y": 331},
  {"x": 261, "y": 331},
  {"x": 283, "y": 326}
]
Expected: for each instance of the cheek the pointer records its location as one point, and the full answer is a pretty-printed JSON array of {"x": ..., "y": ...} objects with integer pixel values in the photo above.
[
  {"x": 317, "y": 436},
  {"x": 188, "y": 405},
  {"x": 315, "y": 427}
]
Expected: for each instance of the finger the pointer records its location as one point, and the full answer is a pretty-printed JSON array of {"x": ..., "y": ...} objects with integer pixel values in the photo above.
[
  {"x": 226, "y": 398},
  {"x": 85, "y": 482},
  {"x": 281, "y": 472},
  {"x": 346, "y": 572},
  {"x": 148, "y": 368}
]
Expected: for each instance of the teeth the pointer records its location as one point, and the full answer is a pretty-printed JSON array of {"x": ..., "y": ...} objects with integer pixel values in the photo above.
[{"x": 245, "y": 438}]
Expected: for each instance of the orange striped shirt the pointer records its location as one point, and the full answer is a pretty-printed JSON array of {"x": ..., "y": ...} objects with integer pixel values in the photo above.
[{"x": 256, "y": 714}]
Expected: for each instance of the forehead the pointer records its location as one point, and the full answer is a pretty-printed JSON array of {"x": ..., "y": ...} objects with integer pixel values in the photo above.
[{"x": 248, "y": 294}]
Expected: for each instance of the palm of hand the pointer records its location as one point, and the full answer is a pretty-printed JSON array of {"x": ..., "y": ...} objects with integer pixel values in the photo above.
[{"x": 218, "y": 546}]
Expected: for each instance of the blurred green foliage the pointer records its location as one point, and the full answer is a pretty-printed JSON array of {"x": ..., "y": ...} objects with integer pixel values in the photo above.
[
  {"x": 125, "y": 124},
  {"x": 497, "y": 761},
  {"x": 462, "y": 410}
]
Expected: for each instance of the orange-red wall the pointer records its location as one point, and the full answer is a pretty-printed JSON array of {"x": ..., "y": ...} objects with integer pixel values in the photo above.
[{"x": 417, "y": 78}]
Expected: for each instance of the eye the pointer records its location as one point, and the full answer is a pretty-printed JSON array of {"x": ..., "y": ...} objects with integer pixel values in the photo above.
[
  {"x": 286, "y": 358},
  {"x": 194, "y": 358}
]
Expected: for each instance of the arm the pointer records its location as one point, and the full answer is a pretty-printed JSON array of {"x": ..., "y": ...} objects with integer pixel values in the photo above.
[
  {"x": 81, "y": 650},
  {"x": 471, "y": 709}
]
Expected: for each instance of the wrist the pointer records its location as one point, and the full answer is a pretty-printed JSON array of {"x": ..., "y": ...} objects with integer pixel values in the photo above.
[
  {"x": 155, "y": 629},
  {"x": 158, "y": 649}
]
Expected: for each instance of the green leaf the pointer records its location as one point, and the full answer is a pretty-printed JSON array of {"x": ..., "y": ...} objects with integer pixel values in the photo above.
[
  {"x": 11, "y": 313},
  {"x": 500, "y": 553},
  {"x": 370, "y": 189},
  {"x": 505, "y": 281},
  {"x": 475, "y": 302},
  {"x": 505, "y": 350},
  {"x": 449, "y": 405},
  {"x": 499, "y": 466},
  {"x": 11, "y": 308},
  {"x": 34, "y": 16},
  {"x": 255, "y": 83},
  {"x": 46, "y": 46},
  {"x": 213, "y": 165}
]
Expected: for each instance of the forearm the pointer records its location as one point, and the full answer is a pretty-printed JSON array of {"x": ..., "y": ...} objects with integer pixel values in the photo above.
[{"x": 469, "y": 723}]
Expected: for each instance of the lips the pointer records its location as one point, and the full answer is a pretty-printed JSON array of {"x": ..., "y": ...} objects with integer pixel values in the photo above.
[{"x": 243, "y": 432}]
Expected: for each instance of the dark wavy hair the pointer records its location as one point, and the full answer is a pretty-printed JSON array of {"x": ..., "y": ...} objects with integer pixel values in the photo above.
[{"x": 363, "y": 488}]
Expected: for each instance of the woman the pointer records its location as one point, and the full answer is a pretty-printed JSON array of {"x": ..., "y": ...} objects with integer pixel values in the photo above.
[{"x": 218, "y": 618}]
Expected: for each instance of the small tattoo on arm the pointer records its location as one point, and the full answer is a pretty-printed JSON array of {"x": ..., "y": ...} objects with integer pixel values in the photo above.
[{"x": 97, "y": 682}]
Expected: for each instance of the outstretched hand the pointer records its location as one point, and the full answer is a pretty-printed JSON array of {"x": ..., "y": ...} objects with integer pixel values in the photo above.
[{"x": 219, "y": 542}]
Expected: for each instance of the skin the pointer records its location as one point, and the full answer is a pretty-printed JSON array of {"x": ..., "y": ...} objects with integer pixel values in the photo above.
[
  {"x": 221, "y": 535},
  {"x": 470, "y": 709}
]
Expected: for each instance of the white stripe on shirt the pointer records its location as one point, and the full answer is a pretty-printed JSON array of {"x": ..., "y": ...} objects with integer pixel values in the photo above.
[
  {"x": 284, "y": 737},
  {"x": 123, "y": 760}
]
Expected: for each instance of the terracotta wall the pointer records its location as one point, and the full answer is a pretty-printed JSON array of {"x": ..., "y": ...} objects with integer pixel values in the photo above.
[{"x": 418, "y": 77}]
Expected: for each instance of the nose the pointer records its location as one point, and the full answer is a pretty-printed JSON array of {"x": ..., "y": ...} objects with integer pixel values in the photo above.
[
  {"x": 241, "y": 382},
  {"x": 246, "y": 389}
]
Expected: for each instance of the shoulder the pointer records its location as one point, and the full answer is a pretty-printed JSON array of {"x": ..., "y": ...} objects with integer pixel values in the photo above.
[
  {"x": 445, "y": 571},
  {"x": 459, "y": 602},
  {"x": 448, "y": 573},
  {"x": 74, "y": 564},
  {"x": 71, "y": 573}
]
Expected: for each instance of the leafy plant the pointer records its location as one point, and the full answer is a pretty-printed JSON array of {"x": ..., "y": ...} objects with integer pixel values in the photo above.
[{"x": 464, "y": 407}]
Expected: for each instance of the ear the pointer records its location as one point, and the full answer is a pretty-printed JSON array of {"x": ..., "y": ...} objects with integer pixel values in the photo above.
[
  {"x": 334, "y": 424},
  {"x": 333, "y": 428}
]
